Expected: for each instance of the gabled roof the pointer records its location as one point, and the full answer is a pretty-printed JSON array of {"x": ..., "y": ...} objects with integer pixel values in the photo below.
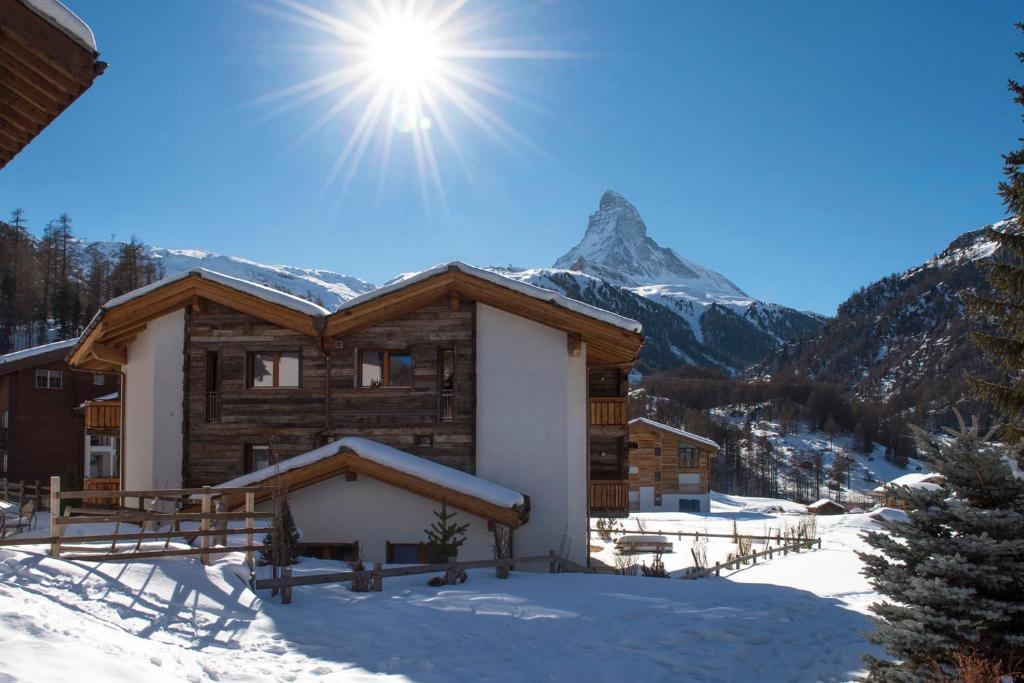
[
  {"x": 417, "y": 475},
  {"x": 928, "y": 481},
  {"x": 610, "y": 338},
  {"x": 696, "y": 438},
  {"x": 35, "y": 355},
  {"x": 48, "y": 59}
]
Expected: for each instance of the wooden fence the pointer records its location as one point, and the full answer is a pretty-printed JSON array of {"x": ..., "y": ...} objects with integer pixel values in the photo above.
[
  {"x": 377, "y": 574},
  {"x": 769, "y": 553},
  {"x": 21, "y": 491},
  {"x": 213, "y": 526}
]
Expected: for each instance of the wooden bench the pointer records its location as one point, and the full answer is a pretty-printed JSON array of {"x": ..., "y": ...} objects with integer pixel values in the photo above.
[{"x": 643, "y": 544}]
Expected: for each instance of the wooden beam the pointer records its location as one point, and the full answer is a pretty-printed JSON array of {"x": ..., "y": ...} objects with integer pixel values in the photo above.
[
  {"x": 575, "y": 342},
  {"x": 455, "y": 301},
  {"x": 110, "y": 354}
]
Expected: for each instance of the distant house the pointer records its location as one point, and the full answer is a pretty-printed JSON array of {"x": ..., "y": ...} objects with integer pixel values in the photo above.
[
  {"x": 669, "y": 468},
  {"x": 457, "y": 373},
  {"x": 914, "y": 480},
  {"x": 48, "y": 59},
  {"x": 41, "y": 425},
  {"x": 826, "y": 507}
]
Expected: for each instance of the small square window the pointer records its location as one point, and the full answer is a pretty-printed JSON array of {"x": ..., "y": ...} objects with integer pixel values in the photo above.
[
  {"x": 425, "y": 440},
  {"x": 404, "y": 553},
  {"x": 98, "y": 379},
  {"x": 657, "y": 476},
  {"x": 256, "y": 457},
  {"x": 657, "y": 451}
]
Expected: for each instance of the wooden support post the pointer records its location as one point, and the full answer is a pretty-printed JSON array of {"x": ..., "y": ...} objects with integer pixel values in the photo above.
[
  {"x": 7, "y": 494},
  {"x": 204, "y": 525},
  {"x": 286, "y": 590},
  {"x": 718, "y": 569},
  {"x": 55, "y": 529},
  {"x": 769, "y": 552},
  {"x": 755, "y": 557},
  {"x": 221, "y": 506},
  {"x": 250, "y": 507},
  {"x": 36, "y": 497},
  {"x": 501, "y": 570},
  {"x": 552, "y": 562},
  {"x": 819, "y": 542},
  {"x": 378, "y": 580}
]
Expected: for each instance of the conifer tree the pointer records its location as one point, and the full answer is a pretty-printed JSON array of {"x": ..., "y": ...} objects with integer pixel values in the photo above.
[
  {"x": 953, "y": 574},
  {"x": 1005, "y": 307},
  {"x": 282, "y": 543},
  {"x": 444, "y": 537}
]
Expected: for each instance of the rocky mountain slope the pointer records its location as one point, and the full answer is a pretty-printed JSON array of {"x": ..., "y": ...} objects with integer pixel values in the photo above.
[{"x": 904, "y": 340}]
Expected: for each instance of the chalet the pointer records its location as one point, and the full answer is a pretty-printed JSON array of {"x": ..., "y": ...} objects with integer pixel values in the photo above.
[
  {"x": 883, "y": 494},
  {"x": 458, "y": 368},
  {"x": 669, "y": 469},
  {"x": 826, "y": 507},
  {"x": 48, "y": 58},
  {"x": 41, "y": 428}
]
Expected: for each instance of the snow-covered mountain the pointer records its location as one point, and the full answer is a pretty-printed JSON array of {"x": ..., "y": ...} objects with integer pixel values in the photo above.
[{"x": 325, "y": 287}]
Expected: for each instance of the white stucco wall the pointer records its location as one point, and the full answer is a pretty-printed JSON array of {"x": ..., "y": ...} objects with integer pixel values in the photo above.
[
  {"x": 373, "y": 513},
  {"x": 154, "y": 386},
  {"x": 531, "y": 426}
]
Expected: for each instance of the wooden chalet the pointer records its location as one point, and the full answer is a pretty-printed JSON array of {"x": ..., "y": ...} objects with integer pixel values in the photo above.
[
  {"x": 826, "y": 507},
  {"x": 456, "y": 365},
  {"x": 48, "y": 58},
  {"x": 669, "y": 468},
  {"x": 41, "y": 426}
]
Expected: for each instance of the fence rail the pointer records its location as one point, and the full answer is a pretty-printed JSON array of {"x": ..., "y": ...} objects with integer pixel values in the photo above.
[
  {"x": 21, "y": 491},
  {"x": 769, "y": 553}
]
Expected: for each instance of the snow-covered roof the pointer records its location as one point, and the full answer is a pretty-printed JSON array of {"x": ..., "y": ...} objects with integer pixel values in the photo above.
[
  {"x": 382, "y": 454},
  {"x": 502, "y": 281},
  {"x": 679, "y": 432},
  {"x": 823, "y": 502},
  {"x": 262, "y": 291},
  {"x": 37, "y": 350},
  {"x": 67, "y": 21},
  {"x": 928, "y": 481}
]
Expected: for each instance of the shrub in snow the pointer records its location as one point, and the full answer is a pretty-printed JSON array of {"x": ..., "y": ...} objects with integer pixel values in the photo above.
[
  {"x": 657, "y": 568},
  {"x": 953, "y": 572},
  {"x": 444, "y": 537},
  {"x": 606, "y": 526}
]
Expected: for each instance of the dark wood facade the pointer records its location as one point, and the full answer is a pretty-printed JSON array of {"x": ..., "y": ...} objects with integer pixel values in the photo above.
[
  {"x": 43, "y": 430},
  {"x": 225, "y": 416},
  {"x": 608, "y": 414}
]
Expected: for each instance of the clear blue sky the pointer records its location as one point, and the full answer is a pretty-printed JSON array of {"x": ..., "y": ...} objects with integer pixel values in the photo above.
[{"x": 803, "y": 149}]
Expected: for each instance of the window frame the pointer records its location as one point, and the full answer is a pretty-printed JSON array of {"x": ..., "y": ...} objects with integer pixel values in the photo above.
[
  {"x": 249, "y": 457},
  {"x": 250, "y": 359},
  {"x": 98, "y": 379},
  {"x": 684, "y": 460},
  {"x": 389, "y": 551},
  {"x": 385, "y": 368},
  {"x": 49, "y": 374}
]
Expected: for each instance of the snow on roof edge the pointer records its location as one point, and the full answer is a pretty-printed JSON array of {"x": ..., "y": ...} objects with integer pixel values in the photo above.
[
  {"x": 37, "y": 350},
  {"x": 388, "y": 456},
  {"x": 674, "y": 430},
  {"x": 502, "y": 281},
  {"x": 58, "y": 14}
]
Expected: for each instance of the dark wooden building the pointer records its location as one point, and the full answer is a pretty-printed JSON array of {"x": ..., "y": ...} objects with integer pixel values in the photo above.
[{"x": 42, "y": 428}]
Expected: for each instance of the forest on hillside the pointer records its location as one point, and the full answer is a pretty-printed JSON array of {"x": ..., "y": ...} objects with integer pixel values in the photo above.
[{"x": 52, "y": 282}]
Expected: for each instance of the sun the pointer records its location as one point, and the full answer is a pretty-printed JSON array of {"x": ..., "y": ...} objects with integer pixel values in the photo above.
[{"x": 413, "y": 71}]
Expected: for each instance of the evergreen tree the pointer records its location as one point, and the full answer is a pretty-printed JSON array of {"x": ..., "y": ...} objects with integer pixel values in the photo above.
[
  {"x": 282, "y": 542},
  {"x": 1005, "y": 307},
  {"x": 953, "y": 574},
  {"x": 444, "y": 537}
]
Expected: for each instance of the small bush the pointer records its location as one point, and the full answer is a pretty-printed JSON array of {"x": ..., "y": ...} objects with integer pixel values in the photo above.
[{"x": 657, "y": 568}]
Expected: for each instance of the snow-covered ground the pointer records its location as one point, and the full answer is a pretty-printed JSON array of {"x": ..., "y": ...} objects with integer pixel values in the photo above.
[{"x": 796, "y": 618}]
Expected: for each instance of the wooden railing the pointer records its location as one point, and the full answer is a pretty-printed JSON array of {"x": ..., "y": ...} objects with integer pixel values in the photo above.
[
  {"x": 447, "y": 405},
  {"x": 609, "y": 495},
  {"x": 103, "y": 415},
  {"x": 101, "y": 484},
  {"x": 609, "y": 411},
  {"x": 212, "y": 406}
]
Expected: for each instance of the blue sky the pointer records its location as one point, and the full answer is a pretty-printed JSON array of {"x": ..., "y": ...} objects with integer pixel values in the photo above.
[{"x": 803, "y": 149}]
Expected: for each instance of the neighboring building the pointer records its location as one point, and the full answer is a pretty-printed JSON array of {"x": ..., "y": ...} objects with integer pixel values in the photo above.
[
  {"x": 456, "y": 366},
  {"x": 826, "y": 507},
  {"x": 41, "y": 428},
  {"x": 669, "y": 469},
  {"x": 914, "y": 480},
  {"x": 48, "y": 59}
]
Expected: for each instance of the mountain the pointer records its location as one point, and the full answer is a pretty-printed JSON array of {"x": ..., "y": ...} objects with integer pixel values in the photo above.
[{"x": 904, "y": 340}]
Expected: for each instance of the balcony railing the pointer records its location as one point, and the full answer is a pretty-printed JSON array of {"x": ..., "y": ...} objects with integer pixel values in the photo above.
[
  {"x": 609, "y": 496},
  {"x": 447, "y": 405},
  {"x": 103, "y": 415},
  {"x": 212, "y": 406},
  {"x": 609, "y": 411}
]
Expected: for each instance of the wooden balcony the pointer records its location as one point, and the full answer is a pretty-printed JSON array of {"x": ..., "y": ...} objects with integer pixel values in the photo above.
[
  {"x": 612, "y": 411},
  {"x": 103, "y": 415},
  {"x": 609, "y": 497},
  {"x": 101, "y": 484}
]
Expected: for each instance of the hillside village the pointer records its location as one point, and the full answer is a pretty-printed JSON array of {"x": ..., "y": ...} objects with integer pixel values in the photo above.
[{"x": 619, "y": 466}]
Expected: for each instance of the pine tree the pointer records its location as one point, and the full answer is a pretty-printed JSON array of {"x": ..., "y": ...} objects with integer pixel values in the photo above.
[
  {"x": 953, "y": 574},
  {"x": 1005, "y": 307},
  {"x": 444, "y": 537},
  {"x": 282, "y": 542}
]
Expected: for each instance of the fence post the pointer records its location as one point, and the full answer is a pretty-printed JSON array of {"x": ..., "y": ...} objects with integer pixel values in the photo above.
[
  {"x": 250, "y": 507},
  {"x": 286, "y": 589},
  {"x": 6, "y": 491},
  {"x": 769, "y": 552},
  {"x": 819, "y": 542},
  {"x": 38, "y": 502},
  {"x": 552, "y": 562},
  {"x": 55, "y": 529},
  {"x": 718, "y": 569},
  {"x": 204, "y": 526},
  {"x": 378, "y": 580},
  {"x": 501, "y": 569},
  {"x": 21, "y": 492},
  {"x": 222, "y": 506},
  {"x": 755, "y": 557}
]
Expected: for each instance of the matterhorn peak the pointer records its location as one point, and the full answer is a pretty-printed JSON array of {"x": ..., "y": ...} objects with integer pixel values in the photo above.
[{"x": 615, "y": 246}]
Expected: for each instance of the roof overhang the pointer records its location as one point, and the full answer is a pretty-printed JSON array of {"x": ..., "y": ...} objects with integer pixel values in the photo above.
[
  {"x": 103, "y": 345},
  {"x": 346, "y": 461},
  {"x": 607, "y": 344},
  {"x": 694, "y": 439},
  {"x": 46, "y": 62}
]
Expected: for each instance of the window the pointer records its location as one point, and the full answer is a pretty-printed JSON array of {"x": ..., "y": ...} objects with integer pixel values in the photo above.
[
  {"x": 425, "y": 440},
  {"x": 272, "y": 369},
  {"x": 256, "y": 457},
  {"x": 657, "y": 475},
  {"x": 608, "y": 459},
  {"x": 49, "y": 379},
  {"x": 689, "y": 505},
  {"x": 385, "y": 369},
  {"x": 657, "y": 451},
  {"x": 689, "y": 457},
  {"x": 446, "y": 381},
  {"x": 657, "y": 500},
  {"x": 98, "y": 379},
  {"x": 212, "y": 385},
  {"x": 405, "y": 553}
]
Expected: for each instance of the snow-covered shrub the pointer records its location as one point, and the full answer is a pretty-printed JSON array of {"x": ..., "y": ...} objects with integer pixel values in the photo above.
[{"x": 657, "y": 568}]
